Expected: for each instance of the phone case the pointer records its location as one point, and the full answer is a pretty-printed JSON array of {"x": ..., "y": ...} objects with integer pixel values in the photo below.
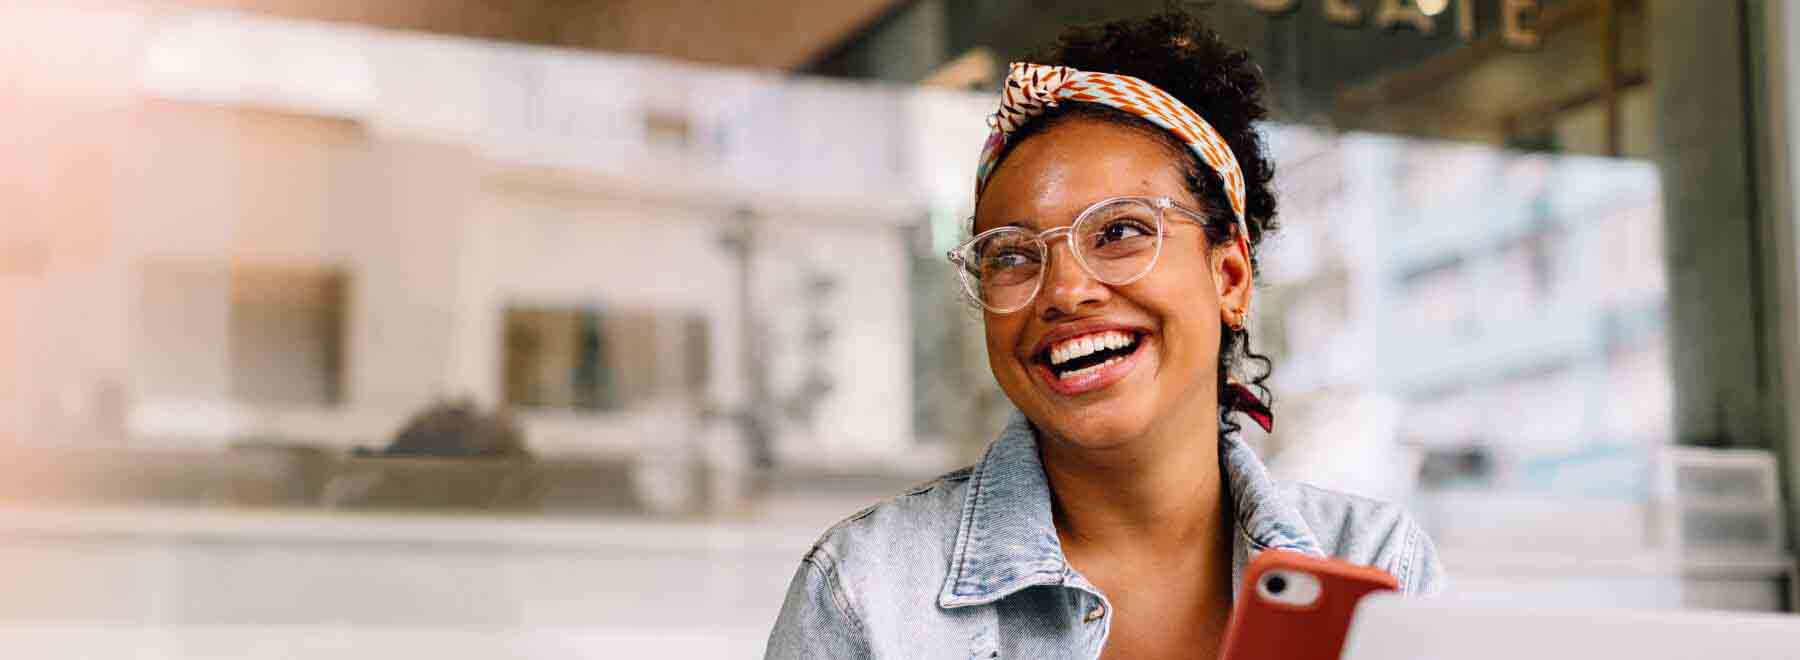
[{"x": 1270, "y": 625}]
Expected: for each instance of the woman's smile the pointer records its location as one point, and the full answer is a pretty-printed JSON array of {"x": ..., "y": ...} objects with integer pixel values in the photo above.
[{"x": 1083, "y": 357}]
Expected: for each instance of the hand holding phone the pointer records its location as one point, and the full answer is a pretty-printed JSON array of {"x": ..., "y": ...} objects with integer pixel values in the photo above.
[{"x": 1295, "y": 606}]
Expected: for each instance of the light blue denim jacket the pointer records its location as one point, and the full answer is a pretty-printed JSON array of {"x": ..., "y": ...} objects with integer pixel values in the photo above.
[{"x": 969, "y": 566}]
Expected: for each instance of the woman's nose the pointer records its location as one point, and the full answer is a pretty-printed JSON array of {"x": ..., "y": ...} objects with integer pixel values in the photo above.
[{"x": 1068, "y": 288}]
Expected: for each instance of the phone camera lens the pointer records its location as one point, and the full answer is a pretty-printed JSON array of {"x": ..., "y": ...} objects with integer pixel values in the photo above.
[{"x": 1276, "y": 584}]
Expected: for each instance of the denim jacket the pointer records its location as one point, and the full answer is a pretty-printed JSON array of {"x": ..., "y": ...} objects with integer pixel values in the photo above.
[{"x": 969, "y": 565}]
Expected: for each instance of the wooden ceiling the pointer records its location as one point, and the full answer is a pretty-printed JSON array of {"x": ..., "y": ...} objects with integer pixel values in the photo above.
[{"x": 739, "y": 33}]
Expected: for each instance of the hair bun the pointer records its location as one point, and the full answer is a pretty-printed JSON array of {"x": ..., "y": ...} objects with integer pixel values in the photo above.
[{"x": 1175, "y": 51}]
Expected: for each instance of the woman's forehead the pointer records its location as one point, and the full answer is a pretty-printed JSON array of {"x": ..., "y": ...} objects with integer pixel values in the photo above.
[{"x": 1053, "y": 175}]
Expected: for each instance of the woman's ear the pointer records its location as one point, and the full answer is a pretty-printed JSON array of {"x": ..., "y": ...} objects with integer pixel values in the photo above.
[{"x": 1231, "y": 274}]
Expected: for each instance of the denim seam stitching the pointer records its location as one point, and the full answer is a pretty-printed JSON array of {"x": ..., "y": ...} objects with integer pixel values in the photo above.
[
  {"x": 980, "y": 498},
  {"x": 1409, "y": 556},
  {"x": 828, "y": 572},
  {"x": 965, "y": 529},
  {"x": 954, "y": 476},
  {"x": 1239, "y": 514}
]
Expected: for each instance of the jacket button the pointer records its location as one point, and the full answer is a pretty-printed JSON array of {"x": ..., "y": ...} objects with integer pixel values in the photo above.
[{"x": 1095, "y": 614}]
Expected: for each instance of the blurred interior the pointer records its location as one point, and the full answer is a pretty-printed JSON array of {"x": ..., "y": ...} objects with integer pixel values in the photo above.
[{"x": 541, "y": 328}]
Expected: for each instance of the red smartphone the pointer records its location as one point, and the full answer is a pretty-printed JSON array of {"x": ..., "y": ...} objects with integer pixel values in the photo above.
[{"x": 1295, "y": 606}]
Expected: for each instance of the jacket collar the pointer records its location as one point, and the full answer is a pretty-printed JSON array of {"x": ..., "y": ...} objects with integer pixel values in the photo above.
[{"x": 1006, "y": 540}]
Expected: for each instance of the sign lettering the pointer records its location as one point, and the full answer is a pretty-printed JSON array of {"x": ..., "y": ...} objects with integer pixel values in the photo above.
[{"x": 1518, "y": 18}]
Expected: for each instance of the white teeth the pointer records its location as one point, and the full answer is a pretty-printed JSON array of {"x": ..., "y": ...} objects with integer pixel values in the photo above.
[
  {"x": 1088, "y": 370},
  {"x": 1087, "y": 344}
]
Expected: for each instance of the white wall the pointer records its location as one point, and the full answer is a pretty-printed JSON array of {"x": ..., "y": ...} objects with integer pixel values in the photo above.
[{"x": 196, "y": 584}]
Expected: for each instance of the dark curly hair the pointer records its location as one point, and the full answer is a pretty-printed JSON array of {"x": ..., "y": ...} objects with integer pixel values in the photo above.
[{"x": 1179, "y": 54}]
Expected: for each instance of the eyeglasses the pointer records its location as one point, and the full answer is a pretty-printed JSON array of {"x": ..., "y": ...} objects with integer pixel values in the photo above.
[{"x": 1117, "y": 241}]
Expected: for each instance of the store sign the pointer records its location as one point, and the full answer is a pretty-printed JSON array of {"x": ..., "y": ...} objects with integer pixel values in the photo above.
[{"x": 1518, "y": 18}]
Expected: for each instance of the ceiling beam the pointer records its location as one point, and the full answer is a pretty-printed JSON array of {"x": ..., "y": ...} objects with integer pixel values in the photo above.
[{"x": 737, "y": 33}]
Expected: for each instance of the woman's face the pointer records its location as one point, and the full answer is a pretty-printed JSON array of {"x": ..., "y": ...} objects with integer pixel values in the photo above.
[{"x": 1170, "y": 318}]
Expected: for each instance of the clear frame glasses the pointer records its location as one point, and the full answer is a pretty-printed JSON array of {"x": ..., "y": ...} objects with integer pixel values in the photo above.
[{"x": 1117, "y": 241}]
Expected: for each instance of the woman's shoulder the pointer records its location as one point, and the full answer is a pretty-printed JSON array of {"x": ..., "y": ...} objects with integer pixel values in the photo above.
[
  {"x": 1368, "y": 531},
  {"x": 868, "y": 587},
  {"x": 914, "y": 528}
]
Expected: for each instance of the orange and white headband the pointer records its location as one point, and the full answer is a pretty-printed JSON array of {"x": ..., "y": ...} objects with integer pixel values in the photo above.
[{"x": 1032, "y": 88}]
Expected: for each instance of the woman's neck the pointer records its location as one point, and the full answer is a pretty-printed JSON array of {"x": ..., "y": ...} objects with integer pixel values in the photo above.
[{"x": 1158, "y": 494}]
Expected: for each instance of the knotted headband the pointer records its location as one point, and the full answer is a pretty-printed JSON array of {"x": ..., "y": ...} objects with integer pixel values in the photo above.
[{"x": 1032, "y": 88}]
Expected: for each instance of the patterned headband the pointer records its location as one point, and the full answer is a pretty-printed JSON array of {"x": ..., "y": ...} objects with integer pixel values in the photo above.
[{"x": 1032, "y": 88}]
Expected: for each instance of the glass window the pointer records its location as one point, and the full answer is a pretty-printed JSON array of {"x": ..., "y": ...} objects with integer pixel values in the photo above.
[{"x": 317, "y": 321}]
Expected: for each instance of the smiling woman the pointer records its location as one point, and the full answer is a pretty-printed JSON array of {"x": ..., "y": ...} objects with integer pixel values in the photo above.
[{"x": 1120, "y": 200}]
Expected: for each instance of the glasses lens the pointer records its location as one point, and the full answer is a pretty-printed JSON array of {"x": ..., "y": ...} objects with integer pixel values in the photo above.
[
  {"x": 1004, "y": 268},
  {"x": 1119, "y": 240}
]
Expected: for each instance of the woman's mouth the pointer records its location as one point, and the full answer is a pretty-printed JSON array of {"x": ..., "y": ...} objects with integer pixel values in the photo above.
[{"x": 1089, "y": 362}]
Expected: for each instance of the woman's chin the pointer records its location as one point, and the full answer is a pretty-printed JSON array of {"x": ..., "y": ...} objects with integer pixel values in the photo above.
[
  {"x": 1093, "y": 430},
  {"x": 1111, "y": 418}
]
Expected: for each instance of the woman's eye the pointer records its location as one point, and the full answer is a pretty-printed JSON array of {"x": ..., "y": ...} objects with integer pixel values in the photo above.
[
  {"x": 1009, "y": 259},
  {"x": 1119, "y": 230}
]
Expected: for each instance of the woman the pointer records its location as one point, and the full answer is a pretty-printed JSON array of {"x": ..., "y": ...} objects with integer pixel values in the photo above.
[{"x": 1119, "y": 204}]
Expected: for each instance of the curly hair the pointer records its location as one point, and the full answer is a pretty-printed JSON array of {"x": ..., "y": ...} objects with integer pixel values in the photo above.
[{"x": 1179, "y": 54}]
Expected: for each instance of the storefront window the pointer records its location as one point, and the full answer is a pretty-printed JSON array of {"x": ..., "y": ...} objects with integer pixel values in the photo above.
[{"x": 372, "y": 293}]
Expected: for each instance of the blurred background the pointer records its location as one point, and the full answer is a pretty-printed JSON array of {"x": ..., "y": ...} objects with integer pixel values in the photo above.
[{"x": 562, "y": 328}]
